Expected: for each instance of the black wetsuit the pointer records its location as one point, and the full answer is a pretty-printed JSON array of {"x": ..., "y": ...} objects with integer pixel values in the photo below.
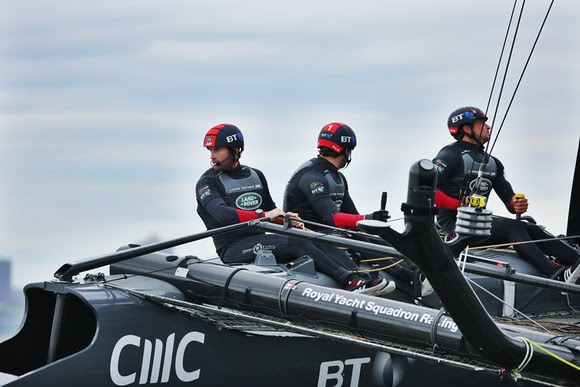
[
  {"x": 457, "y": 165},
  {"x": 230, "y": 197},
  {"x": 318, "y": 192}
]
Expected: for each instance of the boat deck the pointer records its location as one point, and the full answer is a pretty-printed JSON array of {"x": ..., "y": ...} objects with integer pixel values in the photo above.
[{"x": 564, "y": 323}]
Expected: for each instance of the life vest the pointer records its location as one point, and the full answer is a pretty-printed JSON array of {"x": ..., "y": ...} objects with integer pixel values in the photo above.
[
  {"x": 245, "y": 193},
  {"x": 471, "y": 168},
  {"x": 336, "y": 187}
]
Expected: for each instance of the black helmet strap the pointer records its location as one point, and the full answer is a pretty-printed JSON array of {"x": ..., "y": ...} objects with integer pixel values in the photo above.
[
  {"x": 347, "y": 157},
  {"x": 470, "y": 134}
]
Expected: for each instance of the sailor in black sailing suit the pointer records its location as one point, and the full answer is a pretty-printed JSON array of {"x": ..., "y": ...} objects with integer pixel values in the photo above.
[
  {"x": 318, "y": 192},
  {"x": 459, "y": 165},
  {"x": 230, "y": 193}
]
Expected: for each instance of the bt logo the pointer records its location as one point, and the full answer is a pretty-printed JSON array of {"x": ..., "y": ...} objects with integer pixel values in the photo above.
[
  {"x": 338, "y": 371},
  {"x": 151, "y": 357},
  {"x": 232, "y": 138},
  {"x": 457, "y": 118}
]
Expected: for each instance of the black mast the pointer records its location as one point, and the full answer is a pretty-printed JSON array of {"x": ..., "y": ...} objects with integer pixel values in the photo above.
[{"x": 574, "y": 211}]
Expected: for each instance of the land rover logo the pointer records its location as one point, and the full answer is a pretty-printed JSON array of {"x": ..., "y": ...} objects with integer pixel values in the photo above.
[
  {"x": 484, "y": 185},
  {"x": 249, "y": 201}
]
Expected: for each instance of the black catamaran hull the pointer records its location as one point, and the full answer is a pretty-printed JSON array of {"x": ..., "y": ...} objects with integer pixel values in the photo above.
[
  {"x": 111, "y": 336},
  {"x": 162, "y": 319}
]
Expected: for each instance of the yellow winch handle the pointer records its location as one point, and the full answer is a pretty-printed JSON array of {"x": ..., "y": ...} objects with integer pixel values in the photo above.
[{"x": 519, "y": 195}]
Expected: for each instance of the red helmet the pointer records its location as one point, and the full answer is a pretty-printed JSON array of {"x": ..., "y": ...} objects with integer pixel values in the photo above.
[
  {"x": 226, "y": 135},
  {"x": 337, "y": 136},
  {"x": 463, "y": 116}
]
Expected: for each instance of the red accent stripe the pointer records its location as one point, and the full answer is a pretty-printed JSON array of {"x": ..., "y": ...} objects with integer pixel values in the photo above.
[
  {"x": 510, "y": 206},
  {"x": 443, "y": 200},
  {"x": 329, "y": 144},
  {"x": 217, "y": 128},
  {"x": 245, "y": 215},
  {"x": 342, "y": 219},
  {"x": 332, "y": 127}
]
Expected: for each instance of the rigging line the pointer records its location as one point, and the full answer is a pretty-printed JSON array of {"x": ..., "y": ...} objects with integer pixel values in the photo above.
[
  {"x": 527, "y": 357},
  {"x": 552, "y": 354},
  {"x": 525, "y": 242},
  {"x": 503, "y": 302},
  {"x": 298, "y": 240},
  {"x": 507, "y": 67},
  {"x": 345, "y": 233},
  {"x": 350, "y": 232},
  {"x": 522, "y": 74},
  {"x": 359, "y": 270},
  {"x": 484, "y": 160},
  {"x": 501, "y": 56},
  {"x": 569, "y": 304},
  {"x": 377, "y": 259},
  {"x": 378, "y": 268}
]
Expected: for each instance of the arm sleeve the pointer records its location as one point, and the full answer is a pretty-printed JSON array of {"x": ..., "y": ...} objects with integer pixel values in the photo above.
[
  {"x": 348, "y": 216},
  {"x": 313, "y": 185},
  {"x": 221, "y": 212},
  {"x": 245, "y": 215},
  {"x": 340, "y": 219},
  {"x": 447, "y": 164},
  {"x": 445, "y": 201},
  {"x": 209, "y": 196}
]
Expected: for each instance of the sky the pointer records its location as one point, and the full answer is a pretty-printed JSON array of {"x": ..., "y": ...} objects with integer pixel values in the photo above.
[{"x": 104, "y": 105}]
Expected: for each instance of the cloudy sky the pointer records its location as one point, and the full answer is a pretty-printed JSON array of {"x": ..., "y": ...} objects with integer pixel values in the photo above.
[{"x": 103, "y": 106}]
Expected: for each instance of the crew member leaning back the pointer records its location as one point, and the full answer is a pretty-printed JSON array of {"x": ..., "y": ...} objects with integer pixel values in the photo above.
[{"x": 458, "y": 165}]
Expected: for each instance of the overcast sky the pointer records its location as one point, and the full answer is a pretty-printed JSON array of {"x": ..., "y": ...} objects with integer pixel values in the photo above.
[{"x": 104, "y": 104}]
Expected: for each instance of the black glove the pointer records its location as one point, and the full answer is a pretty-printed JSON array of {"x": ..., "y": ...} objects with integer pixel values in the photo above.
[{"x": 382, "y": 215}]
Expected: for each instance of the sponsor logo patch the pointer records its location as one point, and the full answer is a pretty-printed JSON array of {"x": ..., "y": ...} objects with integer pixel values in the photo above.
[
  {"x": 316, "y": 188},
  {"x": 439, "y": 165},
  {"x": 124, "y": 370},
  {"x": 203, "y": 192},
  {"x": 485, "y": 185},
  {"x": 258, "y": 247},
  {"x": 249, "y": 201}
]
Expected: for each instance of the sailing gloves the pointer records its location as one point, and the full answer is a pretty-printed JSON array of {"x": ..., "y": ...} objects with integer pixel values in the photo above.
[{"x": 382, "y": 215}]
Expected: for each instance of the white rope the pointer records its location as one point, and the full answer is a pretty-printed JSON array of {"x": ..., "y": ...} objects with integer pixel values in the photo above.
[
  {"x": 463, "y": 259},
  {"x": 528, "y": 357},
  {"x": 472, "y": 282}
]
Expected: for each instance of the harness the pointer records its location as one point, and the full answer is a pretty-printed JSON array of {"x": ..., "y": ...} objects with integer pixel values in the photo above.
[
  {"x": 245, "y": 193},
  {"x": 471, "y": 168},
  {"x": 336, "y": 187}
]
